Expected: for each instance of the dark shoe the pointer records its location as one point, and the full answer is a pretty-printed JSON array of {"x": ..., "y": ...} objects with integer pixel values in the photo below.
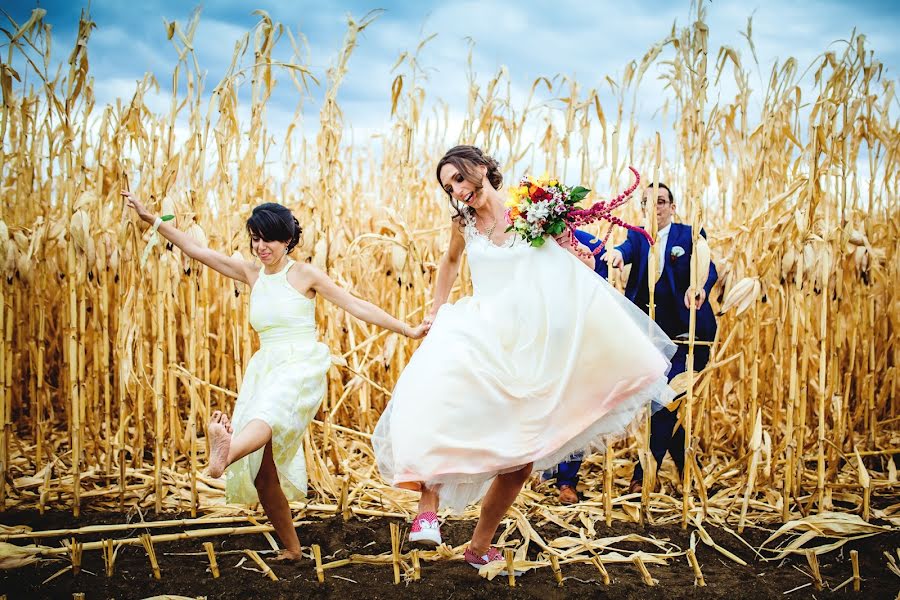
[{"x": 568, "y": 495}]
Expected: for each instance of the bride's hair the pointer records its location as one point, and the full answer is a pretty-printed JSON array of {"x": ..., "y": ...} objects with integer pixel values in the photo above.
[
  {"x": 466, "y": 159},
  {"x": 273, "y": 222}
]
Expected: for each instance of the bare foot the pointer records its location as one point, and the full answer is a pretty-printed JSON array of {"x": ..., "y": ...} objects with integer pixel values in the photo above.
[
  {"x": 220, "y": 441},
  {"x": 227, "y": 423},
  {"x": 287, "y": 556}
]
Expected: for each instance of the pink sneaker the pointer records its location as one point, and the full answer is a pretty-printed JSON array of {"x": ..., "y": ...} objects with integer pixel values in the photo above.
[
  {"x": 426, "y": 530},
  {"x": 476, "y": 561}
]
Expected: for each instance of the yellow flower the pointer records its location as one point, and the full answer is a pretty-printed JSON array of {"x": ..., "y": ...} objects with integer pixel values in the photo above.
[{"x": 516, "y": 195}]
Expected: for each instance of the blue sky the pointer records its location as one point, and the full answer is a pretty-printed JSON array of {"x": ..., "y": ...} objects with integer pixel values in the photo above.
[{"x": 588, "y": 40}]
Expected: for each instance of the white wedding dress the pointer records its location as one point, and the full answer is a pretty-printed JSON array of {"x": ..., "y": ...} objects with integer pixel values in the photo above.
[{"x": 543, "y": 360}]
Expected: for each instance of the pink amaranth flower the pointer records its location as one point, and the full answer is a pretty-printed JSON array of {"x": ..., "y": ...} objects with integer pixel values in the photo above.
[{"x": 603, "y": 211}]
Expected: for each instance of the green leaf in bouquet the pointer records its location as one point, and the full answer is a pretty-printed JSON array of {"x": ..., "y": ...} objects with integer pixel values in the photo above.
[
  {"x": 508, "y": 229},
  {"x": 537, "y": 242},
  {"x": 556, "y": 228},
  {"x": 578, "y": 193}
]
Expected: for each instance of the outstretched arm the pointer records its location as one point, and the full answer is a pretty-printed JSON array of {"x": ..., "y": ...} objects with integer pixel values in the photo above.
[
  {"x": 234, "y": 268},
  {"x": 622, "y": 254},
  {"x": 448, "y": 269},
  {"x": 359, "y": 308}
]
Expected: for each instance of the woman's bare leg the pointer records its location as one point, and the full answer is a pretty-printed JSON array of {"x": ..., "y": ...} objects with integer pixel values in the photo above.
[
  {"x": 274, "y": 502},
  {"x": 500, "y": 496},
  {"x": 428, "y": 501}
]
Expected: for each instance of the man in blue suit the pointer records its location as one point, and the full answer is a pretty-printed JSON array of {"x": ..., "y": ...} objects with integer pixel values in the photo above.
[
  {"x": 567, "y": 472},
  {"x": 672, "y": 298}
]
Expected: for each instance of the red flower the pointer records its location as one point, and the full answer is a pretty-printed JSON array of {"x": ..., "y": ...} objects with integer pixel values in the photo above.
[{"x": 539, "y": 194}]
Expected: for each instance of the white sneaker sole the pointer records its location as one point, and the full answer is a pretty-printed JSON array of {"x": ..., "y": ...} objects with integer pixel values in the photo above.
[
  {"x": 425, "y": 538},
  {"x": 503, "y": 573}
]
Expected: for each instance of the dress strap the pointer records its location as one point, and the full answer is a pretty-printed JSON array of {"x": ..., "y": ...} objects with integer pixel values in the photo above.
[{"x": 281, "y": 273}]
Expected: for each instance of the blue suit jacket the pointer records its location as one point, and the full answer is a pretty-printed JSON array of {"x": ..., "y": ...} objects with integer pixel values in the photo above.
[
  {"x": 591, "y": 242},
  {"x": 671, "y": 313}
]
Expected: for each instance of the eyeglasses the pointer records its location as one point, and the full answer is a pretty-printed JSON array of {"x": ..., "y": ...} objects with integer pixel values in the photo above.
[{"x": 659, "y": 202}]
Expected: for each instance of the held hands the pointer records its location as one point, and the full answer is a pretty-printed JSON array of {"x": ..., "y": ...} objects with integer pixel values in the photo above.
[
  {"x": 132, "y": 202},
  {"x": 699, "y": 298},
  {"x": 422, "y": 329},
  {"x": 419, "y": 331}
]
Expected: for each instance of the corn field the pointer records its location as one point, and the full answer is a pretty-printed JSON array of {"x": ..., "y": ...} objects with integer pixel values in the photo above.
[{"x": 111, "y": 366}]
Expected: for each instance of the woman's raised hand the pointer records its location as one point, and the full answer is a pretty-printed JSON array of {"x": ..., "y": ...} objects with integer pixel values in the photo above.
[{"x": 132, "y": 202}]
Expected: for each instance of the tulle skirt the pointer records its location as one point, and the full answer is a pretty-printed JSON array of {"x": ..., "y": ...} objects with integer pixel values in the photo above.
[{"x": 545, "y": 359}]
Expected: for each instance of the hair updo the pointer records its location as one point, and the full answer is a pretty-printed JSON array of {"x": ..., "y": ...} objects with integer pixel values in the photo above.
[
  {"x": 272, "y": 222},
  {"x": 467, "y": 159}
]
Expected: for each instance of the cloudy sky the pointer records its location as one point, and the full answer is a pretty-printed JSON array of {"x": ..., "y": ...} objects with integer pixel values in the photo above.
[{"x": 531, "y": 38}]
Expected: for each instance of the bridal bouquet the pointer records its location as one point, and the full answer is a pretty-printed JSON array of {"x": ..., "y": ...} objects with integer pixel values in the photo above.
[
  {"x": 544, "y": 206},
  {"x": 538, "y": 208}
]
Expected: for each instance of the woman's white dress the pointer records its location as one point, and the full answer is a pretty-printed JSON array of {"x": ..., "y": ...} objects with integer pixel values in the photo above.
[
  {"x": 283, "y": 386},
  {"x": 543, "y": 360}
]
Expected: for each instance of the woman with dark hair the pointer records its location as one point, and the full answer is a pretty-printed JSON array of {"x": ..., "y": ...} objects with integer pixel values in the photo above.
[
  {"x": 262, "y": 445},
  {"x": 543, "y": 360}
]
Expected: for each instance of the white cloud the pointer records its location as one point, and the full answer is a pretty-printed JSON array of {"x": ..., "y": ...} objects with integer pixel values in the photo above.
[{"x": 531, "y": 38}]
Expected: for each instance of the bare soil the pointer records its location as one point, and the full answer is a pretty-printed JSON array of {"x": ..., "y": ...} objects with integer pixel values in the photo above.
[{"x": 185, "y": 569}]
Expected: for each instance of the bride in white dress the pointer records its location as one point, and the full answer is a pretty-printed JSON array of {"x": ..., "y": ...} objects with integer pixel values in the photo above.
[{"x": 543, "y": 360}]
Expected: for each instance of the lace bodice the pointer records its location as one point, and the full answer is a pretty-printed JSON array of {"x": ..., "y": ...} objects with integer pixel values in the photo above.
[{"x": 472, "y": 235}]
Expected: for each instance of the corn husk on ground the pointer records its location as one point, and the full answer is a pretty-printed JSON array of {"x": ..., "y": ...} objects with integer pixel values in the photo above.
[{"x": 111, "y": 367}]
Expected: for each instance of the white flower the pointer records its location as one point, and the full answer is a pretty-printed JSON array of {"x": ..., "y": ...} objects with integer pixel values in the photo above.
[
  {"x": 676, "y": 252},
  {"x": 538, "y": 211}
]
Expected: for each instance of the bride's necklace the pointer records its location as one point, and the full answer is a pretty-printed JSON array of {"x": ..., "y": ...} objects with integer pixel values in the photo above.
[{"x": 490, "y": 230}]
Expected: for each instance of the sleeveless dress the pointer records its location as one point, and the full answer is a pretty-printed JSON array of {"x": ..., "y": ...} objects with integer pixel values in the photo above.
[
  {"x": 545, "y": 359},
  {"x": 283, "y": 386}
]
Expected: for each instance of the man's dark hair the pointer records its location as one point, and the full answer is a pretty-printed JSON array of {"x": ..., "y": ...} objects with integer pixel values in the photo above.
[{"x": 664, "y": 187}]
